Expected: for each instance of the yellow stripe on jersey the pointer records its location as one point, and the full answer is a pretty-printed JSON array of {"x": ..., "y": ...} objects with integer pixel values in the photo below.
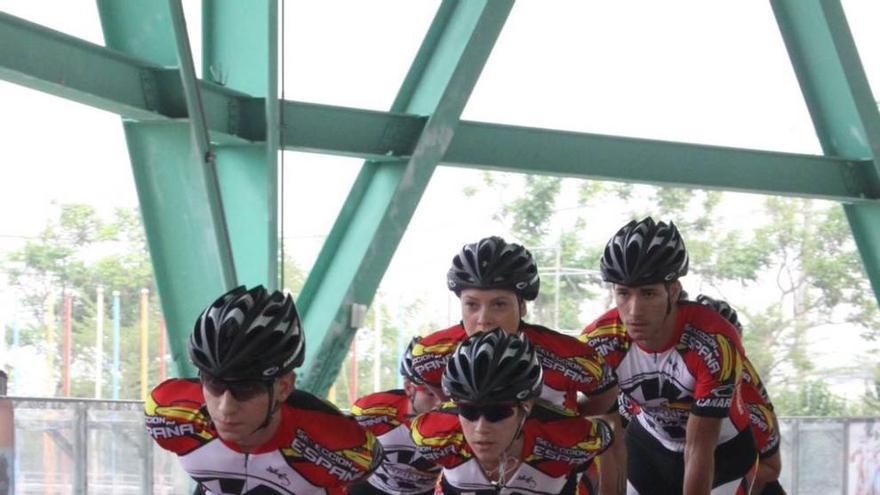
[
  {"x": 362, "y": 457},
  {"x": 186, "y": 414},
  {"x": 437, "y": 441},
  {"x": 590, "y": 365},
  {"x": 607, "y": 330},
  {"x": 445, "y": 348},
  {"x": 727, "y": 357},
  {"x": 374, "y": 411}
]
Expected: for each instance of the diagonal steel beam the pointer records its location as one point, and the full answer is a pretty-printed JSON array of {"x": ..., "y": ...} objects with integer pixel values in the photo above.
[
  {"x": 843, "y": 109},
  {"x": 178, "y": 191},
  {"x": 385, "y": 194}
]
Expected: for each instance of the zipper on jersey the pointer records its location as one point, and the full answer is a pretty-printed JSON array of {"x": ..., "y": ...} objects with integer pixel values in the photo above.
[{"x": 247, "y": 477}]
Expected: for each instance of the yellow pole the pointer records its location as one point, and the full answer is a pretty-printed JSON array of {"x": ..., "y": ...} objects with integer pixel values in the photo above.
[{"x": 145, "y": 323}]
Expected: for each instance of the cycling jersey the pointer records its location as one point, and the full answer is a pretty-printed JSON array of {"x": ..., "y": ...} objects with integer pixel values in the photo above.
[
  {"x": 699, "y": 373},
  {"x": 569, "y": 365},
  {"x": 765, "y": 427},
  {"x": 316, "y": 450},
  {"x": 557, "y": 447},
  {"x": 402, "y": 470}
]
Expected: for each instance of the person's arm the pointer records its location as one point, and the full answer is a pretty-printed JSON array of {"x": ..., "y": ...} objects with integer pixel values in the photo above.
[
  {"x": 599, "y": 404},
  {"x": 699, "y": 454},
  {"x": 612, "y": 462},
  {"x": 768, "y": 470}
]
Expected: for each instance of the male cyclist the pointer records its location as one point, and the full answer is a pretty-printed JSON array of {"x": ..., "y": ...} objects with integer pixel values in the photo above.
[
  {"x": 388, "y": 416},
  {"x": 679, "y": 368},
  {"x": 242, "y": 427},
  {"x": 493, "y": 437}
]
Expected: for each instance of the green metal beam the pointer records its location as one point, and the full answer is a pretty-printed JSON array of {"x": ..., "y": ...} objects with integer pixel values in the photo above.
[
  {"x": 239, "y": 47},
  {"x": 840, "y": 101},
  {"x": 178, "y": 191},
  {"x": 65, "y": 66},
  {"x": 385, "y": 194}
]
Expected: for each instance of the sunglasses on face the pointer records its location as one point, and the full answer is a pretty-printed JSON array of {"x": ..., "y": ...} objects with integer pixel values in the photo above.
[
  {"x": 492, "y": 412},
  {"x": 241, "y": 390}
]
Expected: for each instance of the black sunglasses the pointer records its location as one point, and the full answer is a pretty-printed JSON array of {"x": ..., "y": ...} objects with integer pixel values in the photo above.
[
  {"x": 241, "y": 390},
  {"x": 492, "y": 412}
]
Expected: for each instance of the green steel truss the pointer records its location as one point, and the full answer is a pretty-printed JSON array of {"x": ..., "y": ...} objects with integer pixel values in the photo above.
[{"x": 204, "y": 151}]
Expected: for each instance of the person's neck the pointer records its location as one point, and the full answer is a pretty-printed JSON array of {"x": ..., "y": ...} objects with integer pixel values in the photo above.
[
  {"x": 262, "y": 435},
  {"x": 664, "y": 337},
  {"x": 506, "y": 464}
]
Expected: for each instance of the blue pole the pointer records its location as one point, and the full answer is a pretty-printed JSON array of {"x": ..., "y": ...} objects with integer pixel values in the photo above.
[{"x": 116, "y": 371}]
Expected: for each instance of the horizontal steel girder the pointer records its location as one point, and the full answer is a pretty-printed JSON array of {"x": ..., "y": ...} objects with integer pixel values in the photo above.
[{"x": 43, "y": 59}]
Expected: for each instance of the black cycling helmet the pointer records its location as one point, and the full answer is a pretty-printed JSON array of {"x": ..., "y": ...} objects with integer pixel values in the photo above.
[
  {"x": 492, "y": 367},
  {"x": 723, "y": 308},
  {"x": 492, "y": 263},
  {"x": 643, "y": 253},
  {"x": 248, "y": 334},
  {"x": 407, "y": 370}
]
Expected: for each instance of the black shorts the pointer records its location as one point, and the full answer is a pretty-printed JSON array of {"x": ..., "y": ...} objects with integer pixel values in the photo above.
[
  {"x": 365, "y": 488},
  {"x": 655, "y": 470}
]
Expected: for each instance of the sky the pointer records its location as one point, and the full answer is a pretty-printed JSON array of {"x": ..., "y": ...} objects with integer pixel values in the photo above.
[{"x": 692, "y": 71}]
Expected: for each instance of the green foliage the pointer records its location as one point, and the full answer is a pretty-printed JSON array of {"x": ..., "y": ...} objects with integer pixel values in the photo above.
[{"x": 810, "y": 398}]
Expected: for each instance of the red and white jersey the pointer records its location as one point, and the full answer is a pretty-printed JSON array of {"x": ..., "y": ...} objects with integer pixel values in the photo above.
[
  {"x": 569, "y": 365},
  {"x": 316, "y": 450},
  {"x": 765, "y": 426},
  {"x": 403, "y": 470},
  {"x": 699, "y": 373},
  {"x": 557, "y": 448}
]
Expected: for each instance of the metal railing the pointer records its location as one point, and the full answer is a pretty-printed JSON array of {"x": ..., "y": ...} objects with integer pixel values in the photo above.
[{"x": 79, "y": 446}]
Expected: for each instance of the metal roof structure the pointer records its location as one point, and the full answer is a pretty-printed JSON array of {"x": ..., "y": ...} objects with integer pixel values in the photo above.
[{"x": 204, "y": 152}]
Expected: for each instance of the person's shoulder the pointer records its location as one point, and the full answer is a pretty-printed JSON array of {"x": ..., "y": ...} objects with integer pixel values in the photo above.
[
  {"x": 178, "y": 391},
  {"x": 438, "y": 428},
  {"x": 698, "y": 317},
  {"x": 320, "y": 429},
  {"x": 381, "y": 412},
  {"x": 174, "y": 416},
  {"x": 555, "y": 341},
  {"x": 566, "y": 437},
  {"x": 442, "y": 338},
  {"x": 608, "y": 323},
  {"x": 439, "y": 438}
]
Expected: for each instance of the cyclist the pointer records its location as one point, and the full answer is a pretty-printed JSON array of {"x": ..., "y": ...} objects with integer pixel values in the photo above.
[
  {"x": 679, "y": 368},
  {"x": 493, "y": 280},
  {"x": 388, "y": 416},
  {"x": 493, "y": 437},
  {"x": 242, "y": 427},
  {"x": 764, "y": 424}
]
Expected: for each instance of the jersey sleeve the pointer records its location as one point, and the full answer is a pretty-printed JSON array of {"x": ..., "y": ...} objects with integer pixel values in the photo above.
[
  {"x": 380, "y": 412},
  {"x": 560, "y": 446},
  {"x": 330, "y": 448},
  {"x": 607, "y": 336},
  {"x": 765, "y": 429},
  {"x": 433, "y": 350},
  {"x": 174, "y": 418},
  {"x": 439, "y": 438},
  {"x": 716, "y": 361}
]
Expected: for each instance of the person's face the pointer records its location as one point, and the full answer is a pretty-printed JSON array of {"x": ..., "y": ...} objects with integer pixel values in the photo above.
[
  {"x": 486, "y": 309},
  {"x": 422, "y": 397},
  {"x": 489, "y": 439},
  {"x": 238, "y": 408},
  {"x": 643, "y": 311}
]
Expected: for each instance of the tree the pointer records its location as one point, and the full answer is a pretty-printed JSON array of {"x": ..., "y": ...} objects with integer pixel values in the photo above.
[{"x": 800, "y": 253}]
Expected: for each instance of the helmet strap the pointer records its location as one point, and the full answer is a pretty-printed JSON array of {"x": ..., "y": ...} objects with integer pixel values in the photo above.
[
  {"x": 272, "y": 407},
  {"x": 667, "y": 284}
]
